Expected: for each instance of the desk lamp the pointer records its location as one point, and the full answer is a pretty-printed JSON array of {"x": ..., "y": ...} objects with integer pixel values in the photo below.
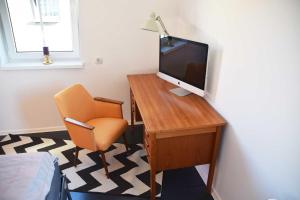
[{"x": 155, "y": 24}]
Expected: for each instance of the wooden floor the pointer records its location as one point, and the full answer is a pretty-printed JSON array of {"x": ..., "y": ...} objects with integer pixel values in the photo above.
[{"x": 177, "y": 184}]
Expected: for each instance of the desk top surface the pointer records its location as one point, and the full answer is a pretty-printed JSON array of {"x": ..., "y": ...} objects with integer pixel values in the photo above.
[{"x": 163, "y": 111}]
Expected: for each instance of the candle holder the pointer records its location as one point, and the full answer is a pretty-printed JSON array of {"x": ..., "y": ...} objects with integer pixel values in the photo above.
[{"x": 47, "y": 60}]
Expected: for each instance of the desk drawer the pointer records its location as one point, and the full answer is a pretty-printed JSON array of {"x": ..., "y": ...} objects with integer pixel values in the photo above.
[{"x": 179, "y": 152}]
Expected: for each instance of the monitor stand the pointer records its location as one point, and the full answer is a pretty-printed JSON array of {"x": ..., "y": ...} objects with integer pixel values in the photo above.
[{"x": 180, "y": 91}]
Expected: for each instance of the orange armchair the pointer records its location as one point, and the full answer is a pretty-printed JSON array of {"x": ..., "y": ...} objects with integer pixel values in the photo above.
[{"x": 92, "y": 123}]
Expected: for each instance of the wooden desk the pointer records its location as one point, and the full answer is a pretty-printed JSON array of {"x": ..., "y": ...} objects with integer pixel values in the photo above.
[{"x": 179, "y": 131}]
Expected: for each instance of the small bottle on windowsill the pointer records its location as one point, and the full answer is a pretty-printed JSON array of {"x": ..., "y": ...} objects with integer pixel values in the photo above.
[{"x": 47, "y": 60}]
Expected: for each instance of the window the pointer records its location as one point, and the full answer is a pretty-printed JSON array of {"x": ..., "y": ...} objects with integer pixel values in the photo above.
[
  {"x": 29, "y": 25},
  {"x": 49, "y": 9}
]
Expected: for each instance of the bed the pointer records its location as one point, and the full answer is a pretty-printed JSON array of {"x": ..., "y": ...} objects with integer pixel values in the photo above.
[{"x": 34, "y": 176}]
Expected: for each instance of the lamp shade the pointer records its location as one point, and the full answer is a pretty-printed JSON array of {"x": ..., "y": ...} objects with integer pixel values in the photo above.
[{"x": 151, "y": 24}]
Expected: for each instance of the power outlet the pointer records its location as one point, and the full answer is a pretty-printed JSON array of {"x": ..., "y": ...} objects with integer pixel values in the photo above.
[{"x": 99, "y": 61}]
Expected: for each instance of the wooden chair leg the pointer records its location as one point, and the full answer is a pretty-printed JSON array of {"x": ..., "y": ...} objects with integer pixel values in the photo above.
[
  {"x": 104, "y": 163},
  {"x": 125, "y": 142},
  {"x": 76, "y": 155}
]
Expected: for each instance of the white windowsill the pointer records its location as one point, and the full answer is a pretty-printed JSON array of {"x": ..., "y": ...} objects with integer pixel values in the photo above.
[{"x": 68, "y": 64}]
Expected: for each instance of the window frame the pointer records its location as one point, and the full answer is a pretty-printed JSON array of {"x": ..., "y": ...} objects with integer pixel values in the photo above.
[{"x": 10, "y": 54}]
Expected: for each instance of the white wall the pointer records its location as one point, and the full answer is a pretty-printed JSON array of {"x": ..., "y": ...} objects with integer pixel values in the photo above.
[
  {"x": 109, "y": 30},
  {"x": 254, "y": 81}
]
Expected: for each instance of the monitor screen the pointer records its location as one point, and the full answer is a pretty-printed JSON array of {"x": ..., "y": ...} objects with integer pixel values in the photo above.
[{"x": 184, "y": 60}]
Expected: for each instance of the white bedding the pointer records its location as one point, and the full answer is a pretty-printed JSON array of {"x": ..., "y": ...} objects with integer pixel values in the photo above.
[{"x": 26, "y": 175}]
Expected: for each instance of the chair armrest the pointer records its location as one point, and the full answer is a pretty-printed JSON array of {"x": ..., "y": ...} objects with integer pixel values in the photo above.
[
  {"x": 78, "y": 123},
  {"x": 108, "y": 100},
  {"x": 82, "y": 134}
]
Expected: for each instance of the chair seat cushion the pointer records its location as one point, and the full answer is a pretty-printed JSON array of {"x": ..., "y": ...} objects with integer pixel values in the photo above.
[{"x": 107, "y": 131}]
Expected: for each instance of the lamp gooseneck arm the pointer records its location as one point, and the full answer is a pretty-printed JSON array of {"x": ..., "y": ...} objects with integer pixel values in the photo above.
[{"x": 158, "y": 18}]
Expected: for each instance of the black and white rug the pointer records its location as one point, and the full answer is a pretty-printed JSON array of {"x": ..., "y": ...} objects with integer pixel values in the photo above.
[{"x": 129, "y": 173}]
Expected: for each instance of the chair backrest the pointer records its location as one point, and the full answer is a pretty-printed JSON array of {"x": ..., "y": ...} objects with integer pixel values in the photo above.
[{"x": 75, "y": 102}]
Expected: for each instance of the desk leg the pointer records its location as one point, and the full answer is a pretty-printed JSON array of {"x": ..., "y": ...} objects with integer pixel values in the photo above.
[
  {"x": 213, "y": 160},
  {"x": 132, "y": 104},
  {"x": 153, "y": 165},
  {"x": 153, "y": 182}
]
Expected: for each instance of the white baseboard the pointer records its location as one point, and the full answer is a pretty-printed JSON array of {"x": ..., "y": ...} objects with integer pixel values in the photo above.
[
  {"x": 33, "y": 130},
  {"x": 203, "y": 172},
  {"x": 215, "y": 194},
  {"x": 137, "y": 123},
  {"x": 40, "y": 130}
]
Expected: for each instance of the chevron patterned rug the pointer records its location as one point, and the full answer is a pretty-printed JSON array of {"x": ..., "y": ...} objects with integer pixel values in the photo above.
[{"x": 129, "y": 173}]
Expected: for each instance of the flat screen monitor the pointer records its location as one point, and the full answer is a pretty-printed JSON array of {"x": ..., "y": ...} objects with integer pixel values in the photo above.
[{"x": 183, "y": 63}]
